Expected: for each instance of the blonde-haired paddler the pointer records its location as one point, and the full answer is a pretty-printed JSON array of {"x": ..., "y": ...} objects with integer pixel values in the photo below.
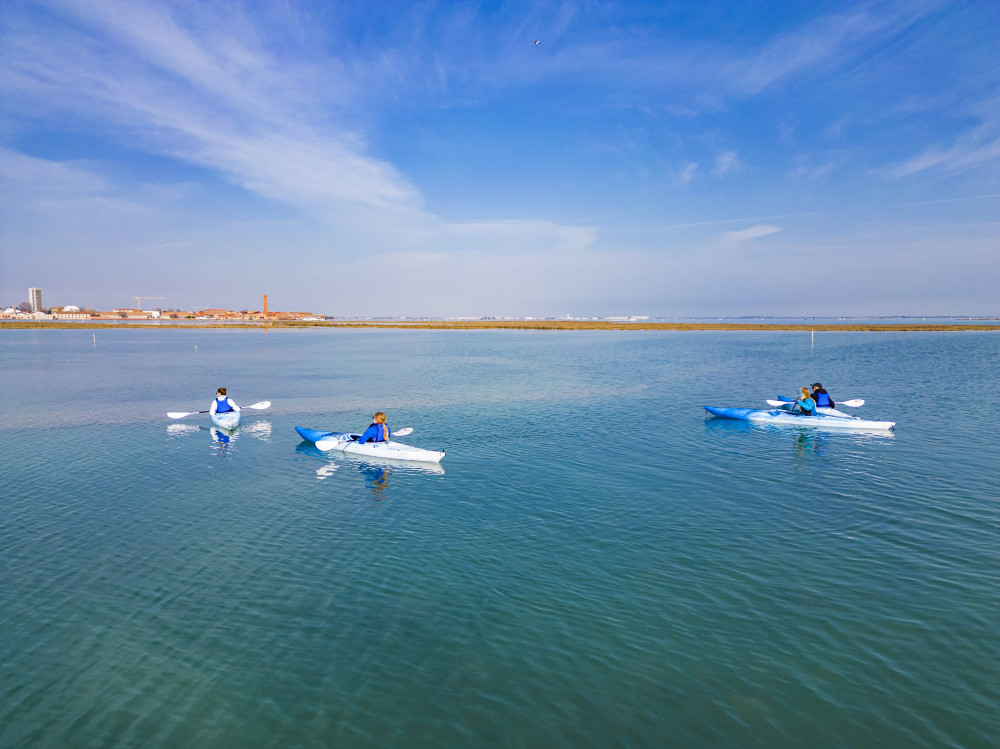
[
  {"x": 805, "y": 405},
  {"x": 378, "y": 431}
]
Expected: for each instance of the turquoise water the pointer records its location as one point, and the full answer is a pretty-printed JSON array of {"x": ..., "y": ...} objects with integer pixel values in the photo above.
[{"x": 595, "y": 563}]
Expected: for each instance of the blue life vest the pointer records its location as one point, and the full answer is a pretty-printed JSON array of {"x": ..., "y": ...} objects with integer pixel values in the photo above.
[
  {"x": 222, "y": 405},
  {"x": 375, "y": 433},
  {"x": 823, "y": 399}
]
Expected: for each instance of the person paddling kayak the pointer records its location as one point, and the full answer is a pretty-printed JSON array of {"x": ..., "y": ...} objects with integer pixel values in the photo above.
[
  {"x": 222, "y": 403},
  {"x": 822, "y": 398},
  {"x": 377, "y": 432},
  {"x": 805, "y": 405}
]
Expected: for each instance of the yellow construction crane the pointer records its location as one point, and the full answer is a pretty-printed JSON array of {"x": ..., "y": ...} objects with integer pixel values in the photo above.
[{"x": 138, "y": 301}]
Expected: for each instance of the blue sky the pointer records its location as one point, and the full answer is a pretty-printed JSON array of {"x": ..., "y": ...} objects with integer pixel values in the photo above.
[{"x": 356, "y": 158}]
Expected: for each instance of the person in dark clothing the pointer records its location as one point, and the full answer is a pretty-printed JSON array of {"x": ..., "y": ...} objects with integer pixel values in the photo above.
[{"x": 822, "y": 398}]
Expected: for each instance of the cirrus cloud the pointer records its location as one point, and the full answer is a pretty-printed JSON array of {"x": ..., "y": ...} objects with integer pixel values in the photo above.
[{"x": 754, "y": 232}]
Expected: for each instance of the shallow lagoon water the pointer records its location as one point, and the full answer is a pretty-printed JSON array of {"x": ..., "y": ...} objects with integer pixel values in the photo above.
[{"x": 595, "y": 562}]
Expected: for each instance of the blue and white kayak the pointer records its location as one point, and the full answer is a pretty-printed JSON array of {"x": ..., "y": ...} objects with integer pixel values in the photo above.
[
  {"x": 347, "y": 443},
  {"x": 228, "y": 420},
  {"x": 778, "y": 416}
]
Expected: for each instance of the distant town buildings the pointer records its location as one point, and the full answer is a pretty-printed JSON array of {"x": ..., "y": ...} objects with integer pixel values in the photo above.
[{"x": 34, "y": 310}]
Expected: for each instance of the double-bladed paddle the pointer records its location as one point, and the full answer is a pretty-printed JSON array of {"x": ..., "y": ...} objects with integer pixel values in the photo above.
[
  {"x": 856, "y": 403},
  {"x": 182, "y": 414}
]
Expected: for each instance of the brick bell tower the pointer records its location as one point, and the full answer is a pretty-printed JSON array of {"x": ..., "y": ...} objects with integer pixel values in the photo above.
[{"x": 265, "y": 306}]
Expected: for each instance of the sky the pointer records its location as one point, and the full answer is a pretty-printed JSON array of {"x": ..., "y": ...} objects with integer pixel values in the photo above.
[{"x": 537, "y": 158}]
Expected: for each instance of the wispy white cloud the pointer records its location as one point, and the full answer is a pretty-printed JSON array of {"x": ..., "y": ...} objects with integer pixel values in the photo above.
[
  {"x": 19, "y": 173},
  {"x": 714, "y": 73},
  {"x": 792, "y": 52},
  {"x": 206, "y": 97},
  {"x": 992, "y": 196},
  {"x": 817, "y": 166},
  {"x": 754, "y": 232},
  {"x": 962, "y": 157},
  {"x": 741, "y": 220},
  {"x": 687, "y": 173},
  {"x": 725, "y": 162}
]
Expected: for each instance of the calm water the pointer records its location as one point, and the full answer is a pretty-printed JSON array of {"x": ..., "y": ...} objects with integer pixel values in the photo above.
[{"x": 594, "y": 564}]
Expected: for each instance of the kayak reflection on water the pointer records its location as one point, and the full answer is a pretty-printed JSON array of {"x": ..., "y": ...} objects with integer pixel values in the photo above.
[
  {"x": 375, "y": 473},
  {"x": 221, "y": 436}
]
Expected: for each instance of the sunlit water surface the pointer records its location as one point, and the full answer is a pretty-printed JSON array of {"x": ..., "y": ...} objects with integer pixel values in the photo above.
[{"x": 595, "y": 563}]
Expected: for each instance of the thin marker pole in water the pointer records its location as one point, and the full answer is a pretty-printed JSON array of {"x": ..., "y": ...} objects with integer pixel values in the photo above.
[{"x": 812, "y": 341}]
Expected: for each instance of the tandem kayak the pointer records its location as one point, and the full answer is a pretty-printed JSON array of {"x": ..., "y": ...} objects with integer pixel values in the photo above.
[
  {"x": 347, "y": 443},
  {"x": 228, "y": 420},
  {"x": 777, "y": 416}
]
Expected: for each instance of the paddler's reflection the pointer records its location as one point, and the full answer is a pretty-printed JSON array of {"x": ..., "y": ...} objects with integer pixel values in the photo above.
[
  {"x": 808, "y": 440},
  {"x": 377, "y": 480},
  {"x": 220, "y": 436}
]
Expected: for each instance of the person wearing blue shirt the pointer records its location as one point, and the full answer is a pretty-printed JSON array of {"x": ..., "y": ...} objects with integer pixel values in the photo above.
[
  {"x": 222, "y": 403},
  {"x": 377, "y": 432},
  {"x": 805, "y": 405}
]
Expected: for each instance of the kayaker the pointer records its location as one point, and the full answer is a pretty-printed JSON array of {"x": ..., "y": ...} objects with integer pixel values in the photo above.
[
  {"x": 805, "y": 405},
  {"x": 822, "y": 398},
  {"x": 377, "y": 432},
  {"x": 222, "y": 403}
]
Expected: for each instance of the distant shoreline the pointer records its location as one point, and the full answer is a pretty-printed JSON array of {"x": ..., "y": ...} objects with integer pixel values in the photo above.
[{"x": 511, "y": 325}]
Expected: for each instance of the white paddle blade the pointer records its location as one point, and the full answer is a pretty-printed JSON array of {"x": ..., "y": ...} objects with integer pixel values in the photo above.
[
  {"x": 327, "y": 444},
  {"x": 261, "y": 404},
  {"x": 402, "y": 432},
  {"x": 179, "y": 414}
]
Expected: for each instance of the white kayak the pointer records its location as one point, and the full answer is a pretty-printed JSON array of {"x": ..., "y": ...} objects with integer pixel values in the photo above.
[
  {"x": 228, "y": 420},
  {"x": 779, "y": 416},
  {"x": 347, "y": 443}
]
